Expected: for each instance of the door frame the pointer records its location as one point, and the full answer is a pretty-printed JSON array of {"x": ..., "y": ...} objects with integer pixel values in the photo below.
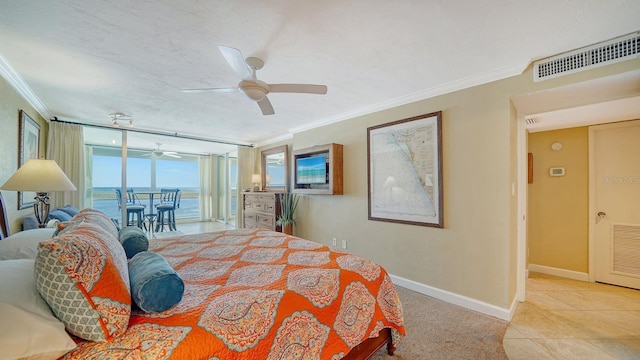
[{"x": 568, "y": 99}]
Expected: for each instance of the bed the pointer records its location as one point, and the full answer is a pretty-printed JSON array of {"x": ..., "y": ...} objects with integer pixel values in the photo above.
[{"x": 258, "y": 294}]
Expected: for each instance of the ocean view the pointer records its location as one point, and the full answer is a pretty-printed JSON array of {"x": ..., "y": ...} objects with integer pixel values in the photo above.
[{"x": 104, "y": 199}]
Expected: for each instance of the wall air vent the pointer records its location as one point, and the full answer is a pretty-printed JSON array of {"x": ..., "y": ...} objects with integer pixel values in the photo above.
[
  {"x": 605, "y": 53},
  {"x": 626, "y": 250},
  {"x": 529, "y": 121}
]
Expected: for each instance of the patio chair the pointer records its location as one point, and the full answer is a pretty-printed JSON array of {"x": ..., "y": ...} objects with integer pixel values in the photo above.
[
  {"x": 166, "y": 209},
  {"x": 135, "y": 210}
]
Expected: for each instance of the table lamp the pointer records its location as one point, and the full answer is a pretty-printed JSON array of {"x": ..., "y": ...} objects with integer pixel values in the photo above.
[
  {"x": 256, "y": 179},
  {"x": 40, "y": 176}
]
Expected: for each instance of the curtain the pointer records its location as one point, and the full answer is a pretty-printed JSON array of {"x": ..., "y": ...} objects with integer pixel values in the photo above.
[
  {"x": 66, "y": 146},
  {"x": 245, "y": 169},
  {"x": 207, "y": 165}
]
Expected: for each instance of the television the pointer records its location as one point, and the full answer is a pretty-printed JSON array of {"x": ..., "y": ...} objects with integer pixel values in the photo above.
[{"x": 311, "y": 170}]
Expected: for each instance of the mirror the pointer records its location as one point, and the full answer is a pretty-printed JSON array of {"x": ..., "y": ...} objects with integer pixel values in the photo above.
[{"x": 275, "y": 169}]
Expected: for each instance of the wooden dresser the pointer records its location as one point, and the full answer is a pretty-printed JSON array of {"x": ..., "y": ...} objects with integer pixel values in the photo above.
[{"x": 261, "y": 210}]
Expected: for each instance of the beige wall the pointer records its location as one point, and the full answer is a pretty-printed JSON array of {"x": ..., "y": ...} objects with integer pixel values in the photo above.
[
  {"x": 478, "y": 131},
  {"x": 470, "y": 255},
  {"x": 475, "y": 255},
  {"x": 558, "y": 228},
  {"x": 10, "y": 105}
]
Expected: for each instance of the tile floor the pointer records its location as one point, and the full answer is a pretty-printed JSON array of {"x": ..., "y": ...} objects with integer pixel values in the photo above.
[{"x": 568, "y": 319}]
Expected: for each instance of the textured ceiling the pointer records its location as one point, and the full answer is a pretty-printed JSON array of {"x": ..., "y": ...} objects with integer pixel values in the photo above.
[{"x": 86, "y": 59}]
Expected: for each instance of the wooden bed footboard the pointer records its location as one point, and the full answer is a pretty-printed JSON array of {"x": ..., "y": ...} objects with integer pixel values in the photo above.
[{"x": 368, "y": 348}]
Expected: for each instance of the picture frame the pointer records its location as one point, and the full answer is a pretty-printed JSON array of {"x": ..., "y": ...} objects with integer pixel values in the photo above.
[
  {"x": 28, "y": 148},
  {"x": 404, "y": 171}
]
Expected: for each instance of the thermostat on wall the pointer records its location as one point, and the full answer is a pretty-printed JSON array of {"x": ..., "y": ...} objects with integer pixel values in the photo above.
[{"x": 556, "y": 171}]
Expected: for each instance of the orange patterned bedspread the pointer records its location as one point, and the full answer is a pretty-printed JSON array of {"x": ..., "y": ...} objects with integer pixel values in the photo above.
[{"x": 257, "y": 294}]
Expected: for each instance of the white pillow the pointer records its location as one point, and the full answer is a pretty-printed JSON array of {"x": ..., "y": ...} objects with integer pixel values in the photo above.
[
  {"x": 24, "y": 244},
  {"x": 28, "y": 328}
]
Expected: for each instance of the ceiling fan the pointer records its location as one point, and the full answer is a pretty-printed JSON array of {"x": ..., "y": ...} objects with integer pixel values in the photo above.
[
  {"x": 157, "y": 152},
  {"x": 253, "y": 88}
]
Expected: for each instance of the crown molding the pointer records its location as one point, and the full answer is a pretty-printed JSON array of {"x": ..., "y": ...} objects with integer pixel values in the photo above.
[
  {"x": 491, "y": 76},
  {"x": 274, "y": 140},
  {"x": 16, "y": 81}
]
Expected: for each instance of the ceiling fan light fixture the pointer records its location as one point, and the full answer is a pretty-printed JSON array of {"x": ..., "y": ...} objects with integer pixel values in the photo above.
[{"x": 253, "y": 90}]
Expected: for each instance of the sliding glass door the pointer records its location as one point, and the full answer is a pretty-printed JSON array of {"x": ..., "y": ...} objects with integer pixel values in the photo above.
[
  {"x": 227, "y": 187},
  {"x": 148, "y": 170},
  {"x": 104, "y": 171}
]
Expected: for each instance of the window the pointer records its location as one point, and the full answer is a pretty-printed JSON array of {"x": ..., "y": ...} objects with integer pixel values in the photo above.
[{"x": 144, "y": 172}]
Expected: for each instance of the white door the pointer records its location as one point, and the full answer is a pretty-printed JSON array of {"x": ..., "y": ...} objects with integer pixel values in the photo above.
[{"x": 615, "y": 210}]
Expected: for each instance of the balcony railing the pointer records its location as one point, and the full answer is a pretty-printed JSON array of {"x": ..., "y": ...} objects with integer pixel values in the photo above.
[{"x": 104, "y": 199}]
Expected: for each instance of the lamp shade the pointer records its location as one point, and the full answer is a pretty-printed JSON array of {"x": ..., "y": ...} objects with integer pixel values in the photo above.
[
  {"x": 39, "y": 175},
  {"x": 256, "y": 178}
]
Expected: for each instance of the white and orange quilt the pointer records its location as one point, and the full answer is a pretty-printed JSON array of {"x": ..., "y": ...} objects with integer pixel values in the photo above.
[{"x": 258, "y": 294}]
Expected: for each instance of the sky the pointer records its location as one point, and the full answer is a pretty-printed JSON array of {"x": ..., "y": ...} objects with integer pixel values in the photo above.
[{"x": 178, "y": 174}]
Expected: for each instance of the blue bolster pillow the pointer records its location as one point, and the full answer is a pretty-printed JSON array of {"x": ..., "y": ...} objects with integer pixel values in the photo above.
[
  {"x": 155, "y": 286},
  {"x": 133, "y": 240}
]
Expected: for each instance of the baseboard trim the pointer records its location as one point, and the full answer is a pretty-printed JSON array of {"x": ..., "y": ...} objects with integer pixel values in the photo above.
[
  {"x": 513, "y": 307},
  {"x": 569, "y": 274},
  {"x": 456, "y": 299}
]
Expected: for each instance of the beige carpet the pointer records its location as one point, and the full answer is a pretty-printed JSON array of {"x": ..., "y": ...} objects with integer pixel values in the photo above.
[{"x": 440, "y": 330}]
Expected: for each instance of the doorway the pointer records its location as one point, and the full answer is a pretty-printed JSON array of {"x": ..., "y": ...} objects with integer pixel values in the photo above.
[
  {"x": 582, "y": 221},
  {"x": 616, "y": 99}
]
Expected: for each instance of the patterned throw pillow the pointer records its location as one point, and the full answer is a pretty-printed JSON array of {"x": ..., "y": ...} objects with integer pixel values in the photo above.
[
  {"x": 83, "y": 276},
  {"x": 63, "y": 227},
  {"x": 98, "y": 218}
]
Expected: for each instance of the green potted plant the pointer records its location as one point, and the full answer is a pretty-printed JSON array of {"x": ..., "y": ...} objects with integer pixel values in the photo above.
[{"x": 288, "y": 205}]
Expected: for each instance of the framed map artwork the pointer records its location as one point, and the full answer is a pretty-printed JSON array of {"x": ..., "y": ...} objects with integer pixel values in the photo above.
[{"x": 404, "y": 171}]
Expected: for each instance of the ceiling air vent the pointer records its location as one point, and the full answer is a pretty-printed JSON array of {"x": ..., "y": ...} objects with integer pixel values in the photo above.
[{"x": 609, "y": 52}]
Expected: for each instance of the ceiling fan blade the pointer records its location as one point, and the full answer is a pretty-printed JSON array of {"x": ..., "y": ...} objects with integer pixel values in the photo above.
[
  {"x": 229, "y": 89},
  {"x": 172, "y": 155},
  {"x": 265, "y": 106},
  {"x": 298, "y": 88},
  {"x": 236, "y": 60}
]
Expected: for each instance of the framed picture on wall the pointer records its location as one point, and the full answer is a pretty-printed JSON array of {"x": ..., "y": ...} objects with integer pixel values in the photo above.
[
  {"x": 404, "y": 171},
  {"x": 28, "y": 148}
]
